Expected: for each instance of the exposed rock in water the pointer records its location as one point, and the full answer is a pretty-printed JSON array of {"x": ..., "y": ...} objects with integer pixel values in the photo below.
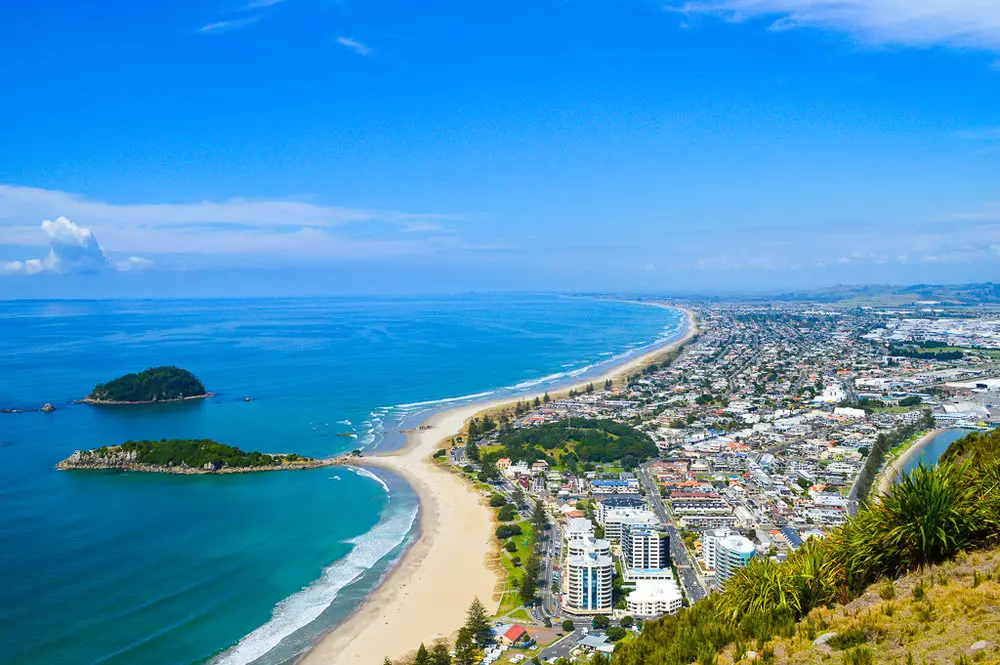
[{"x": 48, "y": 408}]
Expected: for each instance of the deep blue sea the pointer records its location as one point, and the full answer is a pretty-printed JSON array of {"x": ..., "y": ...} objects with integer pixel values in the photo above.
[{"x": 132, "y": 569}]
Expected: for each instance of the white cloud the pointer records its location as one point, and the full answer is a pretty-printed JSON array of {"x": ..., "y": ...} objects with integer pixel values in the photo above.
[
  {"x": 962, "y": 23},
  {"x": 354, "y": 45},
  {"x": 72, "y": 249},
  {"x": 134, "y": 263},
  {"x": 238, "y": 226},
  {"x": 226, "y": 26}
]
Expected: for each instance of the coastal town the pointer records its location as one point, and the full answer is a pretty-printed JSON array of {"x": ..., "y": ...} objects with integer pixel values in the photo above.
[{"x": 623, "y": 501}]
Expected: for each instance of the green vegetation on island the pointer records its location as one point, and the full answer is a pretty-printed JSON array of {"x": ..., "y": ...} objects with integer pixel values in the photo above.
[
  {"x": 156, "y": 384},
  {"x": 183, "y": 456},
  {"x": 932, "y": 515}
]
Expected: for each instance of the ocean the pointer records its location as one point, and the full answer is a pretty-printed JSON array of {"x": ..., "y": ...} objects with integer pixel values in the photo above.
[{"x": 132, "y": 569}]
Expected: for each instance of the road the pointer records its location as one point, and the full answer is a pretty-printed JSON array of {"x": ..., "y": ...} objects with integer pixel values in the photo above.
[{"x": 678, "y": 552}]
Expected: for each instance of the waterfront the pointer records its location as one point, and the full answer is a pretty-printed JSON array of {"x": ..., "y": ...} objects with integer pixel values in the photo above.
[{"x": 267, "y": 560}]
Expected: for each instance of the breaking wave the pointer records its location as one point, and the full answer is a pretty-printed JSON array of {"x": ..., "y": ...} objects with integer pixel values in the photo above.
[{"x": 302, "y": 608}]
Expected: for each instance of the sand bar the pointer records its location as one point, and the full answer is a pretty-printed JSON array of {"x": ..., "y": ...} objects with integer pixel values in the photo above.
[{"x": 426, "y": 595}]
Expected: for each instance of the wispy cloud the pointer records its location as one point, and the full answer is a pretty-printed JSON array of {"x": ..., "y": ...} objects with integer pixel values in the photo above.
[
  {"x": 354, "y": 45},
  {"x": 962, "y": 23},
  {"x": 235, "y": 226},
  {"x": 261, "y": 4},
  {"x": 227, "y": 26}
]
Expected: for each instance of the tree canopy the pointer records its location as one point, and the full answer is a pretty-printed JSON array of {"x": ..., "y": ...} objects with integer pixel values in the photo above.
[
  {"x": 198, "y": 453},
  {"x": 156, "y": 384},
  {"x": 586, "y": 440}
]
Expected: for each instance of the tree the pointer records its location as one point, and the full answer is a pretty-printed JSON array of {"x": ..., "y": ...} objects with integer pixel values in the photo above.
[
  {"x": 627, "y": 622},
  {"x": 440, "y": 653},
  {"x": 601, "y": 622},
  {"x": 511, "y": 546},
  {"x": 490, "y": 469},
  {"x": 537, "y": 403},
  {"x": 590, "y": 388},
  {"x": 608, "y": 384},
  {"x": 546, "y": 398},
  {"x": 538, "y": 518},
  {"x": 465, "y": 647},
  {"x": 472, "y": 451},
  {"x": 497, "y": 501},
  {"x": 528, "y": 587},
  {"x": 387, "y": 661},
  {"x": 478, "y": 623},
  {"x": 615, "y": 633},
  {"x": 422, "y": 657},
  {"x": 518, "y": 496},
  {"x": 568, "y": 626},
  {"x": 507, "y": 513}
]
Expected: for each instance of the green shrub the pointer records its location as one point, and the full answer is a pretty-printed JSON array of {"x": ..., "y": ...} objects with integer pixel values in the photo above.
[
  {"x": 859, "y": 656},
  {"x": 851, "y": 637}
]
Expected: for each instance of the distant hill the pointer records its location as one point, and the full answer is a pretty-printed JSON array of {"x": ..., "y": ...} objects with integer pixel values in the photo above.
[
  {"x": 156, "y": 384},
  {"x": 875, "y": 294}
]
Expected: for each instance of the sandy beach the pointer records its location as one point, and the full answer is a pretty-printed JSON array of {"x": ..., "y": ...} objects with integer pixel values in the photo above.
[
  {"x": 426, "y": 595},
  {"x": 892, "y": 471}
]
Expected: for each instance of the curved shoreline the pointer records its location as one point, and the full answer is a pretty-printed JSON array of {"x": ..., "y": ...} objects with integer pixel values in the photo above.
[
  {"x": 454, "y": 543},
  {"x": 895, "y": 468}
]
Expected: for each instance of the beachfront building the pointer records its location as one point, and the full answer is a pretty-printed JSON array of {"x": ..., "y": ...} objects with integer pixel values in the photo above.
[
  {"x": 616, "y": 519},
  {"x": 654, "y": 598},
  {"x": 732, "y": 553},
  {"x": 588, "y": 572},
  {"x": 644, "y": 547},
  {"x": 709, "y": 546},
  {"x": 604, "y": 505}
]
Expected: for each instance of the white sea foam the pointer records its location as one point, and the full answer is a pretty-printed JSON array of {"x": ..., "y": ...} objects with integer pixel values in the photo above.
[
  {"x": 447, "y": 400},
  {"x": 368, "y": 474},
  {"x": 345, "y": 422},
  {"x": 307, "y": 605}
]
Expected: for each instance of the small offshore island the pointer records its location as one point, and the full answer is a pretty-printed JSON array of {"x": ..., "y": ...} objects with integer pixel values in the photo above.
[
  {"x": 151, "y": 386},
  {"x": 188, "y": 457}
]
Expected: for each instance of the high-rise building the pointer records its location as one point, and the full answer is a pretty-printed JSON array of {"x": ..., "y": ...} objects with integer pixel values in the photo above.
[
  {"x": 609, "y": 503},
  {"x": 732, "y": 553},
  {"x": 645, "y": 547},
  {"x": 709, "y": 546},
  {"x": 588, "y": 572},
  {"x": 615, "y": 520}
]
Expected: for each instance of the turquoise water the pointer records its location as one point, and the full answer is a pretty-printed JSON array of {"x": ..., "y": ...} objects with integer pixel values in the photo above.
[
  {"x": 930, "y": 454},
  {"x": 133, "y": 568}
]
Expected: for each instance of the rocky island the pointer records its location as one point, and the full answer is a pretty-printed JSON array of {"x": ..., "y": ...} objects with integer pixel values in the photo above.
[
  {"x": 151, "y": 386},
  {"x": 188, "y": 456}
]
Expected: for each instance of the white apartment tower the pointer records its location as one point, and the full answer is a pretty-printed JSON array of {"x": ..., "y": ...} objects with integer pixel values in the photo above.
[{"x": 587, "y": 580}]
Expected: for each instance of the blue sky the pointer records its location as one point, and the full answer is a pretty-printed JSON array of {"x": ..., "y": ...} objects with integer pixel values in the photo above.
[{"x": 314, "y": 146}]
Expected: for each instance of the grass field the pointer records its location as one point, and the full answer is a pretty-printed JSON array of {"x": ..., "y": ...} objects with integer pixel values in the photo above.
[{"x": 525, "y": 542}]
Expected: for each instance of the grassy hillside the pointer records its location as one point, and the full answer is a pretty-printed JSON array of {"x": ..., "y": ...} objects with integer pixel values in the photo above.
[
  {"x": 982, "y": 448},
  {"x": 930, "y": 616},
  {"x": 937, "y": 523}
]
